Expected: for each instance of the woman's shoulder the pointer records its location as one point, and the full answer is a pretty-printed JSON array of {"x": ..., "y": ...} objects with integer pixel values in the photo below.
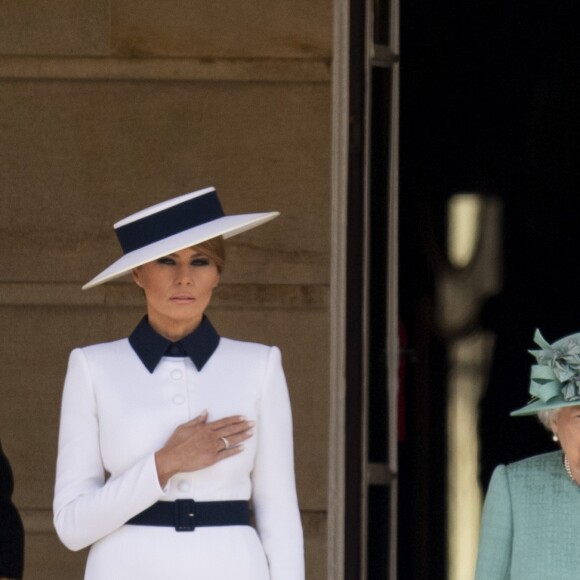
[
  {"x": 244, "y": 346},
  {"x": 104, "y": 348},
  {"x": 545, "y": 464},
  {"x": 247, "y": 351},
  {"x": 527, "y": 477},
  {"x": 541, "y": 459}
]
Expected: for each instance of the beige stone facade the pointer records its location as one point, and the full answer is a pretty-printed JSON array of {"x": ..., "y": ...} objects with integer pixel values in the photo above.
[{"x": 109, "y": 105}]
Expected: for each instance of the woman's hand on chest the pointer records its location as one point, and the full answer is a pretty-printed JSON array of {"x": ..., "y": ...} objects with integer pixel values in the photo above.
[{"x": 198, "y": 444}]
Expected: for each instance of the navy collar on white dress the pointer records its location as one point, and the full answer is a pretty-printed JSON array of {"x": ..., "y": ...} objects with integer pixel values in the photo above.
[{"x": 150, "y": 346}]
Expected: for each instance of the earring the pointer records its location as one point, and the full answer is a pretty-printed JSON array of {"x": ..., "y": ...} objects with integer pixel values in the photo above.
[{"x": 555, "y": 438}]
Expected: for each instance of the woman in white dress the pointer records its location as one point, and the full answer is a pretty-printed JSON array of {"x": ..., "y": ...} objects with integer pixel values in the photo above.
[{"x": 168, "y": 436}]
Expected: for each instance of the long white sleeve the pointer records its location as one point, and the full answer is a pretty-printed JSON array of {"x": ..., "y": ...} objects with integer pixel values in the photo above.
[
  {"x": 86, "y": 506},
  {"x": 274, "y": 490}
]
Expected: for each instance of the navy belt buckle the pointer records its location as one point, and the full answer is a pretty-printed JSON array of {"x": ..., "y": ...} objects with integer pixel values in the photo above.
[{"x": 184, "y": 515}]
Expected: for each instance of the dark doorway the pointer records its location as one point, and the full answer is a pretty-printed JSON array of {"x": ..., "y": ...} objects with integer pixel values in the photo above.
[{"x": 490, "y": 102}]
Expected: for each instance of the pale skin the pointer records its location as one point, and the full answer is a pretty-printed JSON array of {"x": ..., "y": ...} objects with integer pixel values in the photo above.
[
  {"x": 178, "y": 288},
  {"x": 566, "y": 426}
]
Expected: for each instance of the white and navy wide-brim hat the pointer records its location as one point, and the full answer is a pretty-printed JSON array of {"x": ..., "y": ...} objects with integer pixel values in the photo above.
[{"x": 170, "y": 226}]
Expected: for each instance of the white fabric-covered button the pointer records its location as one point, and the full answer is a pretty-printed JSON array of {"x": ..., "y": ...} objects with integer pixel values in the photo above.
[
  {"x": 176, "y": 374},
  {"x": 183, "y": 486},
  {"x": 179, "y": 399}
]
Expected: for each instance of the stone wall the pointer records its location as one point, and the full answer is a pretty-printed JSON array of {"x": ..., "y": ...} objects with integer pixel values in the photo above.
[{"x": 108, "y": 106}]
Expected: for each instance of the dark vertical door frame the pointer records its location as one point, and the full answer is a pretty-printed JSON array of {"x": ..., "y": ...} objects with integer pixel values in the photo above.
[
  {"x": 364, "y": 55},
  {"x": 355, "y": 295}
]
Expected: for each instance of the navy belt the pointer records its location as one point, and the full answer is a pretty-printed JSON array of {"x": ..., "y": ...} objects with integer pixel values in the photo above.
[{"x": 186, "y": 514}]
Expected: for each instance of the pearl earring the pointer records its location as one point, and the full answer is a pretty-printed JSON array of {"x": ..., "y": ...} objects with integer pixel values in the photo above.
[{"x": 555, "y": 438}]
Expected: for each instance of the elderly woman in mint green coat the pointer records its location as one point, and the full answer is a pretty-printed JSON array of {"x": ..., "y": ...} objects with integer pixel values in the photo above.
[{"x": 531, "y": 517}]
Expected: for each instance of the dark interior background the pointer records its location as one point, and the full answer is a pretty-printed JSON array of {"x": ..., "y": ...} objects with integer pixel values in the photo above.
[{"x": 490, "y": 96}]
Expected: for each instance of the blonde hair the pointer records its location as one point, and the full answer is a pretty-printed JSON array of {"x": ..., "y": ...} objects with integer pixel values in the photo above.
[{"x": 214, "y": 249}]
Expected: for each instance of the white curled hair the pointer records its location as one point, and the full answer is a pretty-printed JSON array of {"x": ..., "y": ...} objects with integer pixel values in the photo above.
[{"x": 547, "y": 416}]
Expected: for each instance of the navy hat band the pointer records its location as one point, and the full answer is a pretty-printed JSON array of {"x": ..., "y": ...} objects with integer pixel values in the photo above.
[{"x": 168, "y": 222}]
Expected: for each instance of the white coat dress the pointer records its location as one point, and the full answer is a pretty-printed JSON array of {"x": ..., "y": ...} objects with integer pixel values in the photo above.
[{"x": 116, "y": 414}]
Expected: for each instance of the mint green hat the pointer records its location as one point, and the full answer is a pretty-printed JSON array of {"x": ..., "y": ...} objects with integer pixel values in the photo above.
[{"x": 555, "y": 379}]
